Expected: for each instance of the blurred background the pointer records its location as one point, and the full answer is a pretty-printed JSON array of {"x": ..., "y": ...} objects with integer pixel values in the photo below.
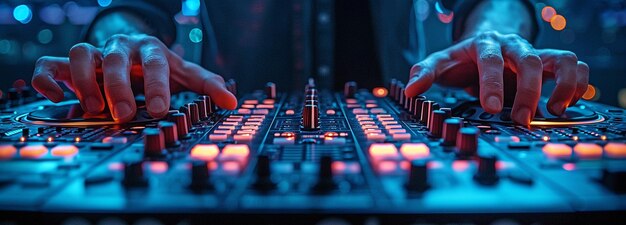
[{"x": 594, "y": 30}]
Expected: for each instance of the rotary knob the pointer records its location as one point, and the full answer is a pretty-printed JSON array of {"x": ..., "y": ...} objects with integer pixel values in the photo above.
[
  {"x": 451, "y": 127},
  {"x": 185, "y": 110},
  {"x": 153, "y": 142},
  {"x": 417, "y": 106},
  {"x": 349, "y": 89},
  {"x": 210, "y": 107},
  {"x": 487, "y": 173},
  {"x": 427, "y": 108},
  {"x": 392, "y": 87},
  {"x": 270, "y": 90},
  {"x": 181, "y": 124},
  {"x": 310, "y": 117},
  {"x": 133, "y": 175},
  {"x": 418, "y": 176},
  {"x": 170, "y": 134},
  {"x": 436, "y": 123},
  {"x": 193, "y": 113},
  {"x": 200, "y": 176},
  {"x": 467, "y": 141},
  {"x": 201, "y": 108}
]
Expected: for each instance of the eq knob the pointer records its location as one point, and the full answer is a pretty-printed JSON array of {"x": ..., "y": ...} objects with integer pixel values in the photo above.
[
  {"x": 193, "y": 113},
  {"x": 310, "y": 117},
  {"x": 393, "y": 84},
  {"x": 270, "y": 90},
  {"x": 202, "y": 114},
  {"x": 427, "y": 108},
  {"x": 349, "y": 89},
  {"x": 325, "y": 181},
  {"x": 210, "y": 107},
  {"x": 417, "y": 106},
  {"x": 467, "y": 141},
  {"x": 436, "y": 123},
  {"x": 451, "y": 127},
  {"x": 153, "y": 142},
  {"x": 133, "y": 175},
  {"x": 170, "y": 134},
  {"x": 263, "y": 174},
  {"x": 200, "y": 176},
  {"x": 487, "y": 173},
  {"x": 418, "y": 176},
  {"x": 185, "y": 110},
  {"x": 180, "y": 119}
]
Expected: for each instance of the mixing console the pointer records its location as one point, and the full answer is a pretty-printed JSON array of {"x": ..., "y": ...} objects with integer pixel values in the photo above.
[{"x": 335, "y": 158}]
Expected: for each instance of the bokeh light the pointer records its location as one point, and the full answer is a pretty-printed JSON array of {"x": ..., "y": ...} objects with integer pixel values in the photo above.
[
  {"x": 590, "y": 93},
  {"x": 190, "y": 7},
  {"x": 44, "y": 36},
  {"x": 104, "y": 3},
  {"x": 558, "y": 22},
  {"x": 195, "y": 35},
  {"x": 23, "y": 14},
  {"x": 547, "y": 13},
  {"x": 621, "y": 97},
  {"x": 52, "y": 14},
  {"x": 444, "y": 15}
]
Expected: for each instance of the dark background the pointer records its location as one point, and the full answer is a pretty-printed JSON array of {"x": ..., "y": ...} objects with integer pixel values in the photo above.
[{"x": 595, "y": 30}]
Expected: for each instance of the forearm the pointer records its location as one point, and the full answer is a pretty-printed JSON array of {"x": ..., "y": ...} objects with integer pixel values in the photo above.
[
  {"x": 507, "y": 17},
  {"x": 117, "y": 23}
]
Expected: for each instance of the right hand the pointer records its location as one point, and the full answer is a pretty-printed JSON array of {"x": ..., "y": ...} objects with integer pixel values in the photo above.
[{"x": 129, "y": 64}]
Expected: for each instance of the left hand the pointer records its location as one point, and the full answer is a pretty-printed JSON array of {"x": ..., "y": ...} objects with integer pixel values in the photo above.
[{"x": 481, "y": 65}]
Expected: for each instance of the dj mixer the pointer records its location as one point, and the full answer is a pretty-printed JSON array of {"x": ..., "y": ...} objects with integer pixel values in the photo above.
[{"x": 311, "y": 157}]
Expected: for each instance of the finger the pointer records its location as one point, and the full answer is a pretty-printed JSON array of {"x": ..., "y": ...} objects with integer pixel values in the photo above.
[
  {"x": 47, "y": 71},
  {"x": 423, "y": 75},
  {"x": 156, "y": 77},
  {"x": 564, "y": 66},
  {"x": 84, "y": 58},
  {"x": 528, "y": 67},
  {"x": 582, "y": 78},
  {"x": 490, "y": 67},
  {"x": 199, "y": 80},
  {"x": 117, "y": 86}
]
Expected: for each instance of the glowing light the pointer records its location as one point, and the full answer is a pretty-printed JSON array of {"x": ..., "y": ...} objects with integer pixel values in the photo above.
[
  {"x": 205, "y": 152},
  {"x": 460, "y": 165},
  {"x": 190, "y": 7},
  {"x": 411, "y": 151},
  {"x": 50, "y": 139},
  {"x": 590, "y": 93},
  {"x": 545, "y": 138},
  {"x": 387, "y": 167},
  {"x": 22, "y": 139},
  {"x": 621, "y": 97},
  {"x": 547, "y": 13},
  {"x": 558, "y": 22},
  {"x": 557, "y": 150},
  {"x": 603, "y": 137},
  {"x": 380, "y": 151},
  {"x": 231, "y": 167},
  {"x": 104, "y": 3},
  {"x": 442, "y": 13},
  {"x": 64, "y": 150},
  {"x": 7, "y": 151},
  {"x": 22, "y": 13},
  {"x": 505, "y": 139},
  {"x": 238, "y": 151},
  {"x": 158, "y": 167},
  {"x": 33, "y": 151},
  {"x": 44, "y": 36},
  {"x": 575, "y": 138},
  {"x": 115, "y": 166},
  {"x": 380, "y": 92},
  {"x": 615, "y": 150},
  {"x": 569, "y": 166},
  {"x": 52, "y": 14},
  {"x": 588, "y": 150},
  {"x": 195, "y": 35}
]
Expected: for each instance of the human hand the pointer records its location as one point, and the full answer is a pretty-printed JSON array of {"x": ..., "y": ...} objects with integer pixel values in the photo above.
[
  {"x": 493, "y": 65},
  {"x": 128, "y": 64}
]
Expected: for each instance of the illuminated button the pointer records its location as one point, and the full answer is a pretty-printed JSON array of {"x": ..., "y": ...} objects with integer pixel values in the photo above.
[
  {"x": 289, "y": 112},
  {"x": 393, "y": 126},
  {"x": 411, "y": 151},
  {"x": 244, "y": 111},
  {"x": 249, "y": 127},
  {"x": 351, "y": 100},
  {"x": 588, "y": 150},
  {"x": 389, "y": 122},
  {"x": 401, "y": 137},
  {"x": 359, "y": 111},
  {"x": 251, "y": 101},
  {"x": 334, "y": 141},
  {"x": 377, "y": 131},
  {"x": 269, "y": 101},
  {"x": 557, "y": 150},
  {"x": 243, "y": 137},
  {"x": 235, "y": 151},
  {"x": 377, "y": 110},
  {"x": 364, "y": 119},
  {"x": 376, "y": 137},
  {"x": 369, "y": 127},
  {"x": 229, "y": 123},
  {"x": 252, "y": 124},
  {"x": 222, "y": 127},
  {"x": 615, "y": 150},
  {"x": 284, "y": 140},
  {"x": 288, "y": 134},
  {"x": 206, "y": 152},
  {"x": 234, "y": 119},
  {"x": 367, "y": 123},
  {"x": 385, "y": 118},
  {"x": 379, "y": 151},
  {"x": 158, "y": 167},
  {"x": 246, "y": 132},
  {"x": 395, "y": 131},
  {"x": 265, "y": 106},
  {"x": 218, "y": 137},
  {"x": 115, "y": 140},
  {"x": 33, "y": 151},
  {"x": 257, "y": 116},
  {"x": 7, "y": 151},
  {"x": 260, "y": 111},
  {"x": 255, "y": 120},
  {"x": 247, "y": 106},
  {"x": 64, "y": 150},
  {"x": 330, "y": 112},
  {"x": 505, "y": 139},
  {"x": 221, "y": 131}
]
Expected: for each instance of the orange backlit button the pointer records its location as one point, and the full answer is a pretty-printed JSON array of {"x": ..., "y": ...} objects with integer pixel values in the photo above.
[
  {"x": 411, "y": 151},
  {"x": 289, "y": 112},
  {"x": 588, "y": 150},
  {"x": 379, "y": 151},
  {"x": 395, "y": 131},
  {"x": 369, "y": 127},
  {"x": 33, "y": 151},
  {"x": 383, "y": 115},
  {"x": 223, "y": 127},
  {"x": 234, "y": 119},
  {"x": 230, "y": 123},
  {"x": 371, "y": 105},
  {"x": 158, "y": 167},
  {"x": 115, "y": 140},
  {"x": 265, "y": 106},
  {"x": 557, "y": 150},
  {"x": 385, "y": 118},
  {"x": 7, "y": 151},
  {"x": 244, "y": 111},
  {"x": 222, "y": 131},
  {"x": 389, "y": 122},
  {"x": 206, "y": 152},
  {"x": 257, "y": 116},
  {"x": 359, "y": 111},
  {"x": 243, "y": 137},
  {"x": 378, "y": 111},
  {"x": 615, "y": 150},
  {"x": 351, "y": 100},
  {"x": 401, "y": 137},
  {"x": 252, "y": 124},
  {"x": 251, "y": 101},
  {"x": 380, "y": 92},
  {"x": 249, "y": 127},
  {"x": 255, "y": 120},
  {"x": 330, "y": 112},
  {"x": 237, "y": 151},
  {"x": 260, "y": 111},
  {"x": 364, "y": 118},
  {"x": 218, "y": 137},
  {"x": 505, "y": 139},
  {"x": 377, "y": 131},
  {"x": 376, "y": 137},
  {"x": 331, "y": 134},
  {"x": 247, "y": 106},
  {"x": 64, "y": 150},
  {"x": 252, "y": 132},
  {"x": 367, "y": 123},
  {"x": 269, "y": 101},
  {"x": 393, "y": 126}
]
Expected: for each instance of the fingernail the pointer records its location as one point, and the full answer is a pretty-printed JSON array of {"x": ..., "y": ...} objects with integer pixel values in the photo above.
[
  {"x": 558, "y": 108},
  {"x": 156, "y": 104},
  {"x": 493, "y": 103},
  {"x": 93, "y": 105},
  {"x": 522, "y": 116},
  {"x": 121, "y": 110}
]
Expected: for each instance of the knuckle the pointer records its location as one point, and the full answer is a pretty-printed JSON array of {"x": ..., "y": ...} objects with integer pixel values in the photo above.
[
  {"x": 492, "y": 58},
  {"x": 38, "y": 80},
  {"x": 155, "y": 85},
  {"x": 568, "y": 57},
  {"x": 531, "y": 60},
  {"x": 116, "y": 57},
  {"x": 145, "y": 40},
  {"x": 488, "y": 35},
  {"x": 513, "y": 37},
  {"x": 80, "y": 50},
  {"x": 154, "y": 62},
  {"x": 116, "y": 85},
  {"x": 42, "y": 61},
  {"x": 119, "y": 37}
]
